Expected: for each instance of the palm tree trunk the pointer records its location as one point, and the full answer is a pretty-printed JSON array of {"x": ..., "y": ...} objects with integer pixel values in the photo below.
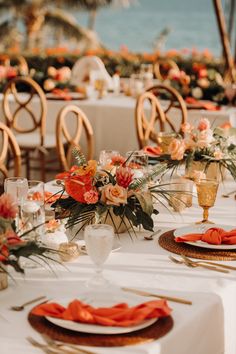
[
  {"x": 224, "y": 38},
  {"x": 92, "y": 18}
]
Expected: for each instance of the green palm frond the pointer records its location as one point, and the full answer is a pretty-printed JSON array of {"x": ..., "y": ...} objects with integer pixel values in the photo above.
[
  {"x": 79, "y": 157},
  {"x": 59, "y": 18},
  {"x": 84, "y": 4},
  {"x": 141, "y": 182}
]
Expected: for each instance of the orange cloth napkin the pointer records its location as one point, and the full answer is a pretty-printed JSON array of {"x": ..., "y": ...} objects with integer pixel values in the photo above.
[
  {"x": 64, "y": 95},
  {"x": 209, "y": 106},
  {"x": 214, "y": 236},
  {"x": 152, "y": 150},
  {"x": 119, "y": 315}
]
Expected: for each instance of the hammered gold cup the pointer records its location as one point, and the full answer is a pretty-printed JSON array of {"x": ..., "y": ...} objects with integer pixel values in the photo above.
[
  {"x": 206, "y": 193},
  {"x": 164, "y": 139}
]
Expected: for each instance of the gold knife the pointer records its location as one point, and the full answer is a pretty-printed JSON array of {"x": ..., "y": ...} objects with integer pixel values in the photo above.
[{"x": 169, "y": 298}]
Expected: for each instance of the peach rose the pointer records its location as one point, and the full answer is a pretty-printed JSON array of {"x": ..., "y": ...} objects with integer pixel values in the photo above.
[
  {"x": 114, "y": 195},
  {"x": 186, "y": 127},
  {"x": 52, "y": 72},
  {"x": 177, "y": 149},
  {"x": 204, "y": 124},
  {"x": 218, "y": 155},
  {"x": 49, "y": 85},
  {"x": 89, "y": 169}
]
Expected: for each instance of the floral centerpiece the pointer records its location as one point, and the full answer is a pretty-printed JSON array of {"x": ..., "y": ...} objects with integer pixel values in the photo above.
[
  {"x": 204, "y": 145},
  {"x": 109, "y": 195},
  {"x": 13, "y": 246}
]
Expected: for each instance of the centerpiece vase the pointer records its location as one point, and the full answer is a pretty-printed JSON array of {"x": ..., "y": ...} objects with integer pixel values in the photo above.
[
  {"x": 116, "y": 222},
  {"x": 3, "y": 278},
  {"x": 212, "y": 170}
]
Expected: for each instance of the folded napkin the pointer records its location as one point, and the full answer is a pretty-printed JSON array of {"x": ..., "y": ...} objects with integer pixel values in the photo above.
[
  {"x": 64, "y": 95},
  {"x": 119, "y": 315},
  {"x": 152, "y": 150},
  {"x": 214, "y": 236},
  {"x": 209, "y": 106}
]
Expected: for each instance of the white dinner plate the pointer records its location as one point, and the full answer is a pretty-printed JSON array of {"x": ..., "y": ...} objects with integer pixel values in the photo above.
[
  {"x": 202, "y": 229},
  {"x": 130, "y": 299}
]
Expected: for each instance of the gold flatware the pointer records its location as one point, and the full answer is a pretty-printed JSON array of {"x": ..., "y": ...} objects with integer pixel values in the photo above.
[
  {"x": 211, "y": 263},
  {"x": 194, "y": 265},
  {"x": 54, "y": 347},
  {"x": 169, "y": 298},
  {"x": 21, "y": 307}
]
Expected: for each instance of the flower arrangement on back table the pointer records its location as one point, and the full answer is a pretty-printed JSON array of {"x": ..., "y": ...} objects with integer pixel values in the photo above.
[
  {"x": 109, "y": 196},
  {"x": 12, "y": 246},
  {"x": 202, "y": 144}
]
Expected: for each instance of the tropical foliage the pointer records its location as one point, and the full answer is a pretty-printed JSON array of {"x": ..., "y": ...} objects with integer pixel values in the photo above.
[{"x": 98, "y": 195}]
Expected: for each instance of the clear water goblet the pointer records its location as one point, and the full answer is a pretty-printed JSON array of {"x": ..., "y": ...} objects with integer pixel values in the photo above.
[
  {"x": 105, "y": 157},
  {"x": 138, "y": 162},
  {"x": 33, "y": 211},
  {"x": 17, "y": 187},
  {"x": 99, "y": 241}
]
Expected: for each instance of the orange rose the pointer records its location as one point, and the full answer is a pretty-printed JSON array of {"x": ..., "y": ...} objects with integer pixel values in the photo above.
[
  {"x": 177, "y": 149},
  {"x": 114, "y": 195}
]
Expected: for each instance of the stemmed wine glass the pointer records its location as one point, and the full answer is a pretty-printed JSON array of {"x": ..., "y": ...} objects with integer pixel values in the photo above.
[
  {"x": 206, "y": 193},
  {"x": 99, "y": 241},
  {"x": 17, "y": 187}
]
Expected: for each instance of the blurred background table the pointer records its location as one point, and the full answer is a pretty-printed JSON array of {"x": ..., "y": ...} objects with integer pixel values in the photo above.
[{"x": 113, "y": 121}]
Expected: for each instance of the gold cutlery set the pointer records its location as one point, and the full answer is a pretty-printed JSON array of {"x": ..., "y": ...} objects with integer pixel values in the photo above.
[{"x": 218, "y": 267}]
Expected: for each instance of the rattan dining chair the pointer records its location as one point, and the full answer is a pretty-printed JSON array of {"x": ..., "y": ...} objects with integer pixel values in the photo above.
[
  {"x": 148, "y": 121},
  {"x": 173, "y": 101},
  {"x": 160, "y": 64},
  {"x": 9, "y": 145},
  {"x": 68, "y": 139},
  {"x": 28, "y": 122}
]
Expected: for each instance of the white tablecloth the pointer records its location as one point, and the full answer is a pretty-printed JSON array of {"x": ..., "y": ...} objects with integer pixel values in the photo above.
[
  {"x": 113, "y": 120},
  {"x": 206, "y": 327}
]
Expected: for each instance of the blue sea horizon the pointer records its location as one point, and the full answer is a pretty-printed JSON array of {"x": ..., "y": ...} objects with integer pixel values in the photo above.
[{"x": 192, "y": 24}]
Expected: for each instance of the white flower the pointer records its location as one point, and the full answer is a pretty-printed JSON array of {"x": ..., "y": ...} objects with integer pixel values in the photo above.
[{"x": 205, "y": 138}]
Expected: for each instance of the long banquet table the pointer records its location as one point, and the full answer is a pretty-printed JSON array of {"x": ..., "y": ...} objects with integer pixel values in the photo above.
[
  {"x": 208, "y": 326},
  {"x": 113, "y": 122}
]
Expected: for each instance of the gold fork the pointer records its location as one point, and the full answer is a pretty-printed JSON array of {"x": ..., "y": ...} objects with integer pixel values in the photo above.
[
  {"x": 210, "y": 263},
  {"x": 53, "y": 347},
  {"x": 194, "y": 265}
]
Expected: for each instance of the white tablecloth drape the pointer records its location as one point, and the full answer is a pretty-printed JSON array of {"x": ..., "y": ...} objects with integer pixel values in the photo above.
[
  {"x": 113, "y": 120},
  {"x": 206, "y": 327}
]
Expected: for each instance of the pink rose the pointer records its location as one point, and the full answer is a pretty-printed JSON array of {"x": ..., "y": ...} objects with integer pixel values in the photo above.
[
  {"x": 204, "y": 124},
  {"x": 177, "y": 149},
  {"x": 114, "y": 195},
  {"x": 91, "y": 197}
]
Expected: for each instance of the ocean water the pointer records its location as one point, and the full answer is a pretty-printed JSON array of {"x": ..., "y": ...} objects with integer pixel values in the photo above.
[{"x": 192, "y": 24}]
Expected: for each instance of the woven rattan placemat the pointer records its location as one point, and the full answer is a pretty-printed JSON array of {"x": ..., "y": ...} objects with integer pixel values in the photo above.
[
  {"x": 167, "y": 241},
  {"x": 148, "y": 334}
]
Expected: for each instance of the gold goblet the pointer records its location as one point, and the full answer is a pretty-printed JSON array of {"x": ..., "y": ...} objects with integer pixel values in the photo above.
[
  {"x": 206, "y": 193},
  {"x": 164, "y": 139}
]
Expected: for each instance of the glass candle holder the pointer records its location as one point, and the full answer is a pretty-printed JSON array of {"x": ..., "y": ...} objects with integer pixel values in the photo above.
[{"x": 138, "y": 162}]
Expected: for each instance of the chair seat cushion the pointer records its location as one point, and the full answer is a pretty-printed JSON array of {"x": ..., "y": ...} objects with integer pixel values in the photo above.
[{"x": 32, "y": 140}]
